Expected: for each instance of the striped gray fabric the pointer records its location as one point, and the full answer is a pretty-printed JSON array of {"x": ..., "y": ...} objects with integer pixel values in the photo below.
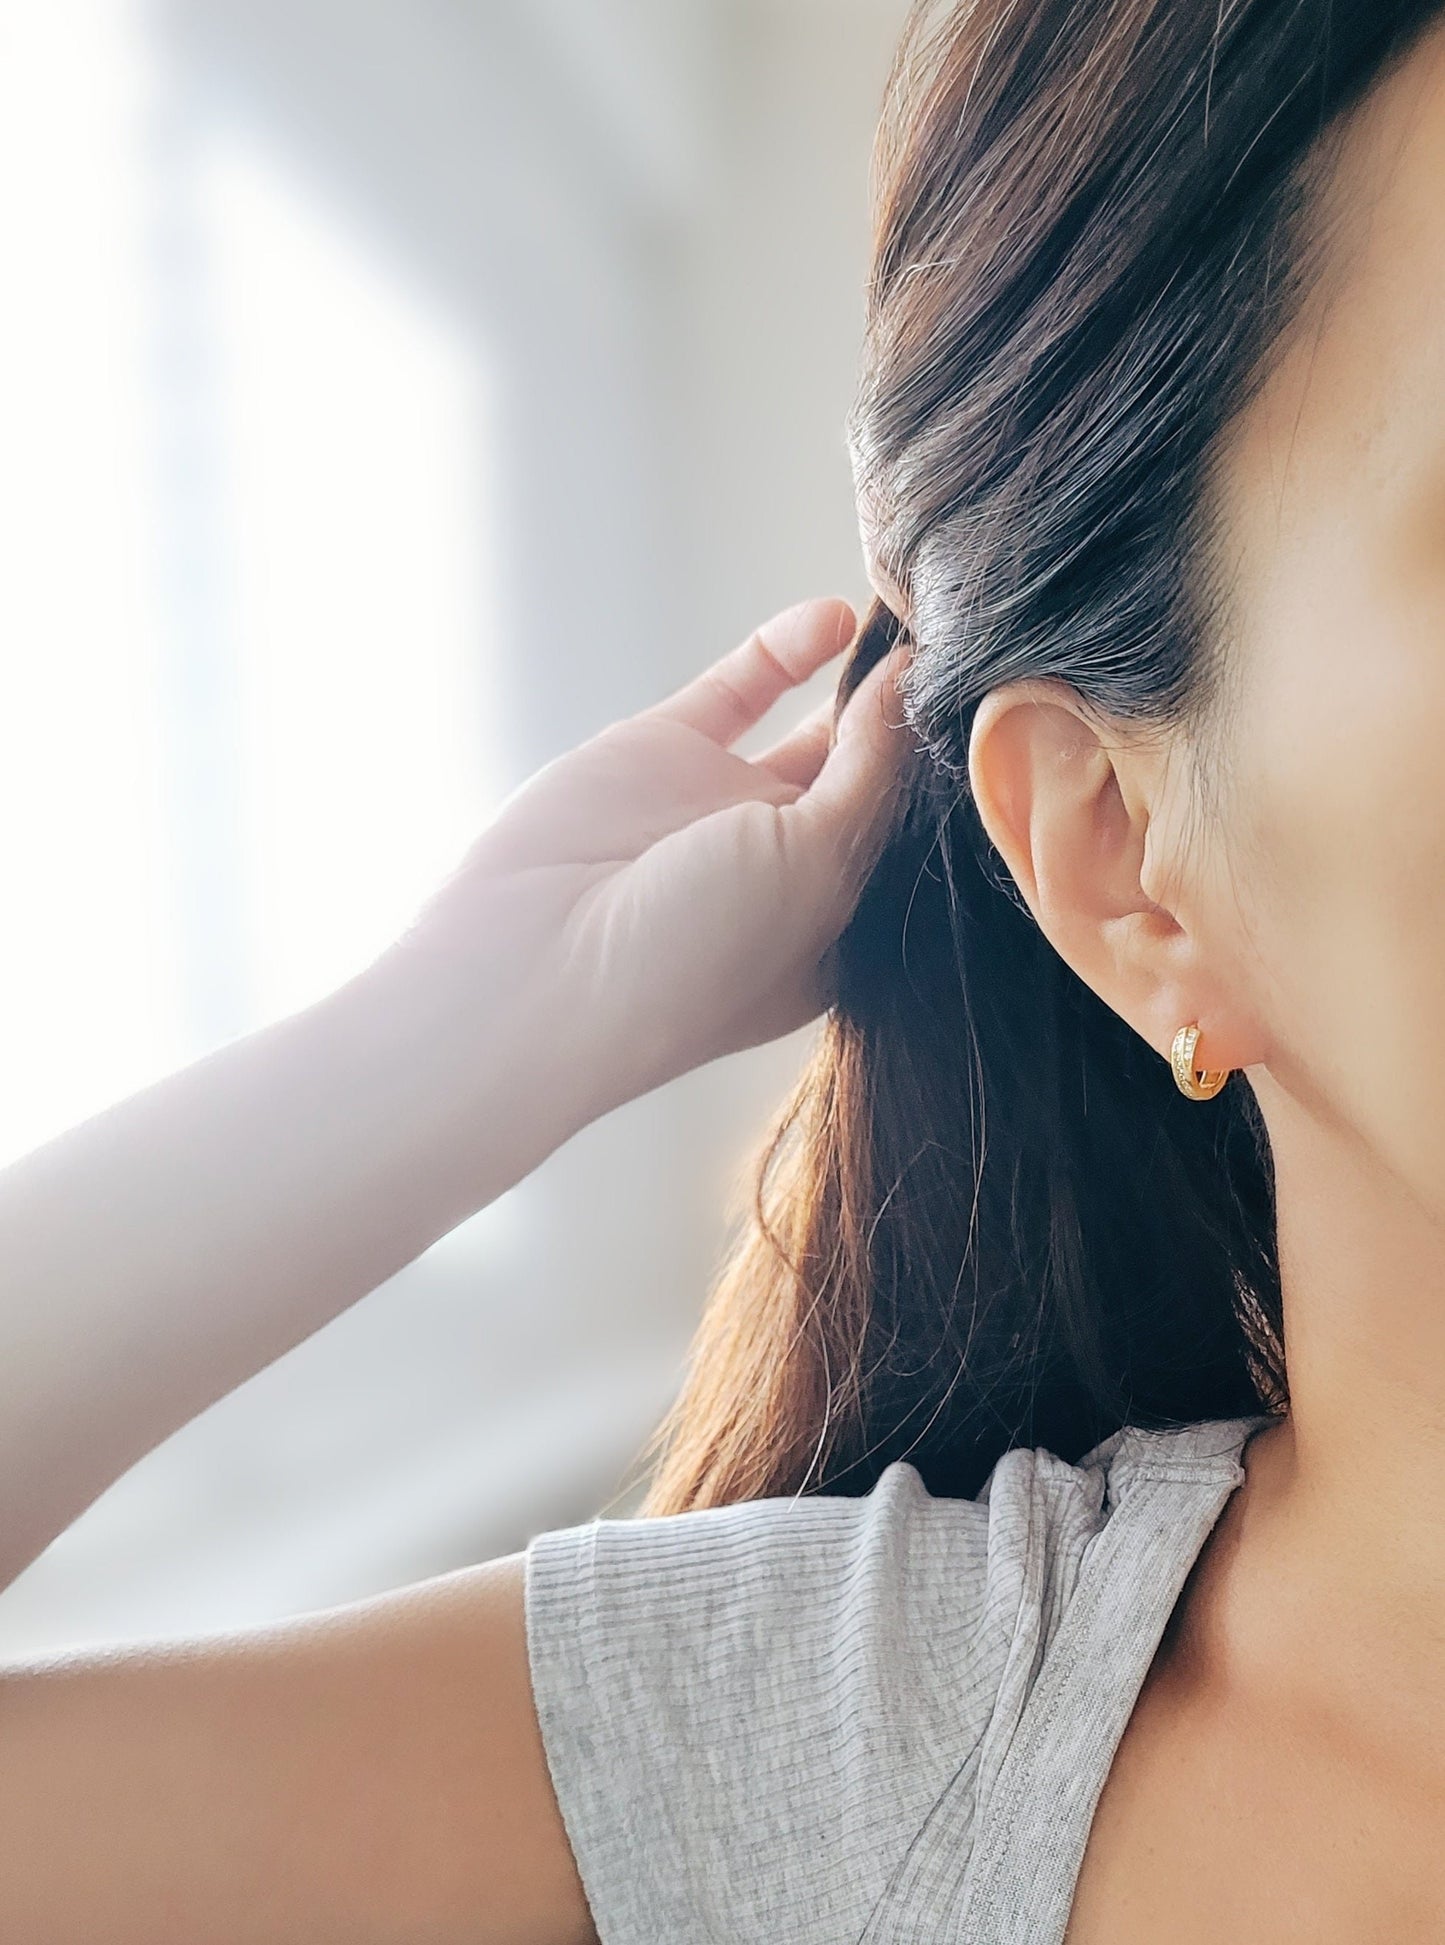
[{"x": 862, "y": 1721}]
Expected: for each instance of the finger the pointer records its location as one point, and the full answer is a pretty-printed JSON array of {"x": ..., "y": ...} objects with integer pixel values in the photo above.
[
  {"x": 737, "y": 691},
  {"x": 864, "y": 764},
  {"x": 798, "y": 757}
]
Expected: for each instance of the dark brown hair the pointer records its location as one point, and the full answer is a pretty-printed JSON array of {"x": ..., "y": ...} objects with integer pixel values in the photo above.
[{"x": 987, "y": 1216}]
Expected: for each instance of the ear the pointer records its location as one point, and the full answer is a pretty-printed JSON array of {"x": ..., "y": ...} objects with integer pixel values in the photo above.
[{"x": 1091, "y": 825}]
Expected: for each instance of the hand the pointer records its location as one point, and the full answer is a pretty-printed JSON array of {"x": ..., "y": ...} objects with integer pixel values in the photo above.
[
  {"x": 640, "y": 906},
  {"x": 652, "y": 900}
]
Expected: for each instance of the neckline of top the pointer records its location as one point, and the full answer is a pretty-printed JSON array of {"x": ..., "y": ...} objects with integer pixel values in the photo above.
[
  {"x": 1207, "y": 1449},
  {"x": 1022, "y": 1872}
]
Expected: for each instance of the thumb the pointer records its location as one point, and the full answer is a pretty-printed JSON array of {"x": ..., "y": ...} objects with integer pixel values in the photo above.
[
  {"x": 871, "y": 743},
  {"x": 853, "y": 799}
]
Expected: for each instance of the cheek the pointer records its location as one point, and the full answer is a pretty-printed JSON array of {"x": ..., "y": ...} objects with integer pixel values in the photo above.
[{"x": 1338, "y": 836}]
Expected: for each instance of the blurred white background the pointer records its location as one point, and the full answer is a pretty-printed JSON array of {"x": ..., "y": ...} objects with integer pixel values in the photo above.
[{"x": 391, "y": 392}]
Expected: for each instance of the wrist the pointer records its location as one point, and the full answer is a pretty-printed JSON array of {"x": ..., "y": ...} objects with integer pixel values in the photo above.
[{"x": 483, "y": 1060}]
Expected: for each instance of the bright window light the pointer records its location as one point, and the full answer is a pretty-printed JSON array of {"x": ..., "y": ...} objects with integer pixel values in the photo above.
[
  {"x": 88, "y": 1001},
  {"x": 352, "y": 420},
  {"x": 173, "y": 873}
]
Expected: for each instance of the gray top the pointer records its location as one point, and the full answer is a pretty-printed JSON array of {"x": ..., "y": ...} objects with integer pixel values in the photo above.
[{"x": 877, "y": 1719}]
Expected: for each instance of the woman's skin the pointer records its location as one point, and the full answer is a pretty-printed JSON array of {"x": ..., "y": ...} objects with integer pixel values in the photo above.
[
  {"x": 374, "y": 1774},
  {"x": 1283, "y": 1776}
]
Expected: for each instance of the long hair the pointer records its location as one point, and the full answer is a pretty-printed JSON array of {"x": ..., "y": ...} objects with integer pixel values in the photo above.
[{"x": 987, "y": 1216}]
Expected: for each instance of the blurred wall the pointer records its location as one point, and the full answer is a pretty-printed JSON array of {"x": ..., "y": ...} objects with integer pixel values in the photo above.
[{"x": 652, "y": 213}]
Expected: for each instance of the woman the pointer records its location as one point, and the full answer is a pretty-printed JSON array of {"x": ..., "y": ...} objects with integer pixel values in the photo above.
[{"x": 1049, "y": 1538}]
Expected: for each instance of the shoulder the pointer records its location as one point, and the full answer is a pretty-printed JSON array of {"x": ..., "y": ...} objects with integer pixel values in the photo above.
[
  {"x": 1045, "y": 1511},
  {"x": 750, "y": 1712},
  {"x": 751, "y": 1603}
]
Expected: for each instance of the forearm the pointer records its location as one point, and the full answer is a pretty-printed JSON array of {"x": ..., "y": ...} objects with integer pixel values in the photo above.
[
  {"x": 158, "y": 1254},
  {"x": 648, "y": 902}
]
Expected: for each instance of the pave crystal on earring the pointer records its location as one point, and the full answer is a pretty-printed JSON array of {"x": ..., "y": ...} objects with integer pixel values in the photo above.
[{"x": 1197, "y": 1084}]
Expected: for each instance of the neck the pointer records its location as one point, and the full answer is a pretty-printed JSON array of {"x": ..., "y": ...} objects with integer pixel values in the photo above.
[{"x": 1334, "y": 1555}]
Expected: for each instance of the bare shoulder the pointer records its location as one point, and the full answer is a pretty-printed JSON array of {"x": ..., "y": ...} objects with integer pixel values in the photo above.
[{"x": 373, "y": 1773}]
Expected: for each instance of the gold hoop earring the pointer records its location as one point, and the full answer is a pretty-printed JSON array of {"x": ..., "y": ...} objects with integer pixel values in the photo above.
[{"x": 1199, "y": 1085}]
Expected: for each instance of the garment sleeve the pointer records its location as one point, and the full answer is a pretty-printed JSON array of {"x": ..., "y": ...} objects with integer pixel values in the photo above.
[{"x": 748, "y": 1711}]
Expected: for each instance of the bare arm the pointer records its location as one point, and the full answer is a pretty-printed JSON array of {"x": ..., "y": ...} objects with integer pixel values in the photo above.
[
  {"x": 158, "y": 1254},
  {"x": 373, "y": 1775},
  {"x": 648, "y": 902}
]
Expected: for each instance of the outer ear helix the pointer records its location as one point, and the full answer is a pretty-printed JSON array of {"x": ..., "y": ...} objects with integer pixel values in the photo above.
[{"x": 1198, "y": 1084}]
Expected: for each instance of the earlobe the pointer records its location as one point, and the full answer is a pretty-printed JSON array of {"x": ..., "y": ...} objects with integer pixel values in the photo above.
[
  {"x": 1068, "y": 803},
  {"x": 1092, "y": 824}
]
